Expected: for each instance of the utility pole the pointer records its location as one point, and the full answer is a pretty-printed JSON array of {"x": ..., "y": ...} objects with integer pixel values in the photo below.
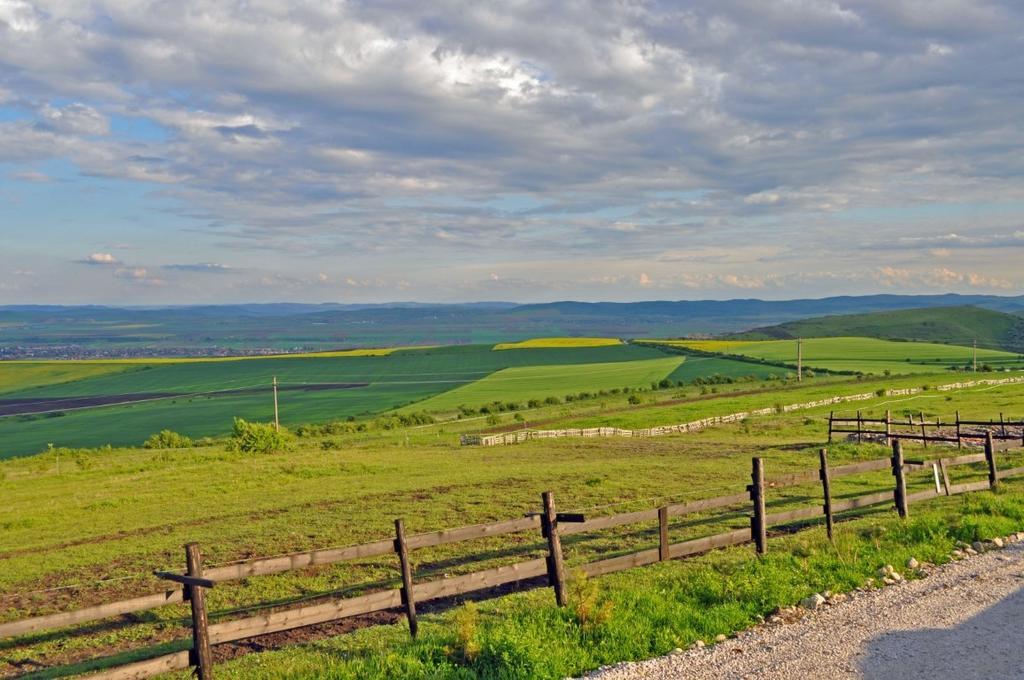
[
  {"x": 799, "y": 360},
  {"x": 975, "y": 355},
  {"x": 277, "y": 422}
]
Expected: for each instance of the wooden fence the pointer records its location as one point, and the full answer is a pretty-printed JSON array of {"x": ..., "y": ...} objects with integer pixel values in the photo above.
[
  {"x": 190, "y": 585},
  {"x": 520, "y": 436},
  {"x": 949, "y": 432}
]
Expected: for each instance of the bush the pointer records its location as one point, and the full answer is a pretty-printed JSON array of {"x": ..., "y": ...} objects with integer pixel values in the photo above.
[
  {"x": 634, "y": 399},
  {"x": 166, "y": 439},
  {"x": 552, "y": 401},
  {"x": 257, "y": 437}
]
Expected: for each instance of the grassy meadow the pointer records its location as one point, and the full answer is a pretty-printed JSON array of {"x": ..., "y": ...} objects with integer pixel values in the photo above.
[
  {"x": 859, "y": 354},
  {"x": 85, "y": 526}
]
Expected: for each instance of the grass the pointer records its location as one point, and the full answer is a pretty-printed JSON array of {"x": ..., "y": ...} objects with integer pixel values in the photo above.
[
  {"x": 524, "y": 383},
  {"x": 547, "y": 343},
  {"x": 864, "y": 355},
  {"x": 163, "y": 361},
  {"x": 72, "y": 518},
  {"x": 708, "y": 367},
  {"x": 652, "y": 610},
  {"x": 206, "y": 395},
  {"x": 25, "y": 375}
]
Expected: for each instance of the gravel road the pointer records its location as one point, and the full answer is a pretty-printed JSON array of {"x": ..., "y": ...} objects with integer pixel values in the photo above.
[{"x": 964, "y": 620}]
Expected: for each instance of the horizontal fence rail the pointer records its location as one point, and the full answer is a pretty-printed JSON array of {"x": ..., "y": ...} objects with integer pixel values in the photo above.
[{"x": 549, "y": 525}]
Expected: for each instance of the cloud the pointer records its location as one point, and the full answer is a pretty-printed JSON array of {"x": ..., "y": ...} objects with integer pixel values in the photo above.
[
  {"x": 100, "y": 259},
  {"x": 203, "y": 267},
  {"x": 31, "y": 176},
  {"x": 412, "y": 138},
  {"x": 138, "y": 275},
  {"x": 73, "y": 119}
]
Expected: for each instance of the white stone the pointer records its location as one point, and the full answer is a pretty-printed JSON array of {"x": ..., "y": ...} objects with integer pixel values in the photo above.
[
  {"x": 812, "y": 602},
  {"x": 913, "y": 563},
  {"x": 998, "y": 542}
]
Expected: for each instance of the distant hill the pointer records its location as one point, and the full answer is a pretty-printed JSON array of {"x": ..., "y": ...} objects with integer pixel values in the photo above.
[
  {"x": 960, "y": 325},
  {"x": 50, "y": 331}
]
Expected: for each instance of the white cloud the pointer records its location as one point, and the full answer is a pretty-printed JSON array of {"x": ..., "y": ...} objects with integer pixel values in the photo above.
[{"x": 103, "y": 259}]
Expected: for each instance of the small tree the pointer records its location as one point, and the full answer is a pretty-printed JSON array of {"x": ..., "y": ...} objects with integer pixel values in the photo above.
[{"x": 257, "y": 437}]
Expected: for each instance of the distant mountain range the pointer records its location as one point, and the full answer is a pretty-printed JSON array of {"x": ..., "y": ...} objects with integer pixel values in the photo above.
[{"x": 53, "y": 330}]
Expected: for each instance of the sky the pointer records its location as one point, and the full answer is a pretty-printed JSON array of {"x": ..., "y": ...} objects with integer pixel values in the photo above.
[{"x": 192, "y": 151}]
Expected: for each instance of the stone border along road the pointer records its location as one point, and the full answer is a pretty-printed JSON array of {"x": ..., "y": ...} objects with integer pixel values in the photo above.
[{"x": 962, "y": 620}]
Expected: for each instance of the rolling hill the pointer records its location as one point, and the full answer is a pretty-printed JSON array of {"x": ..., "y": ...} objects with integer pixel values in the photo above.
[
  {"x": 117, "y": 332},
  {"x": 960, "y": 325}
]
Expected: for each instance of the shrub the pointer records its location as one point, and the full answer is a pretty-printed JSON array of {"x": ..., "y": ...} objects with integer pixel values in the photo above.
[
  {"x": 634, "y": 399},
  {"x": 466, "y": 646},
  {"x": 533, "y": 403},
  {"x": 257, "y": 437},
  {"x": 588, "y": 606},
  {"x": 166, "y": 439},
  {"x": 552, "y": 401}
]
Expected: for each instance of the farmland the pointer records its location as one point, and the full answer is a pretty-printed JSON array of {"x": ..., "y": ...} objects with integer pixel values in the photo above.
[
  {"x": 544, "y": 343},
  {"x": 526, "y": 383},
  {"x": 857, "y": 354},
  {"x": 74, "y": 517},
  {"x": 92, "y": 403},
  {"x": 124, "y": 402}
]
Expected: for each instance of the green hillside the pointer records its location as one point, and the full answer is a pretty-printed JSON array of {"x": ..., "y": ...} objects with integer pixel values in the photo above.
[{"x": 953, "y": 325}]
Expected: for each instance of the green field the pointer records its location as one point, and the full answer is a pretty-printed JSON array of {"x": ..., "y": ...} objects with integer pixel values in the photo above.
[
  {"x": 538, "y": 382},
  {"x": 200, "y": 398},
  {"x": 546, "y": 343},
  {"x": 72, "y": 518},
  {"x": 708, "y": 367},
  {"x": 16, "y": 376},
  {"x": 91, "y": 403},
  {"x": 862, "y": 355}
]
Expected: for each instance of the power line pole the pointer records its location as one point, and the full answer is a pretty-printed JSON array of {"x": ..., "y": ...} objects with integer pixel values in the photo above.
[
  {"x": 277, "y": 422},
  {"x": 799, "y": 360}
]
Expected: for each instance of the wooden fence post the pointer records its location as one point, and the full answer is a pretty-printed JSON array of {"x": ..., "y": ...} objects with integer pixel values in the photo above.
[
  {"x": 924, "y": 435},
  {"x": 990, "y": 458},
  {"x": 826, "y": 491},
  {"x": 888, "y": 427},
  {"x": 408, "y": 599},
  {"x": 831, "y": 417},
  {"x": 900, "y": 494},
  {"x": 202, "y": 657},
  {"x": 556, "y": 563},
  {"x": 859, "y": 426},
  {"x": 758, "y": 531},
  {"x": 663, "y": 533},
  {"x": 959, "y": 442},
  {"x": 945, "y": 475}
]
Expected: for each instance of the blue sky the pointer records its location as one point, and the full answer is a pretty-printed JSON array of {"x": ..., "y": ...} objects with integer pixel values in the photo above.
[{"x": 201, "y": 151}]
